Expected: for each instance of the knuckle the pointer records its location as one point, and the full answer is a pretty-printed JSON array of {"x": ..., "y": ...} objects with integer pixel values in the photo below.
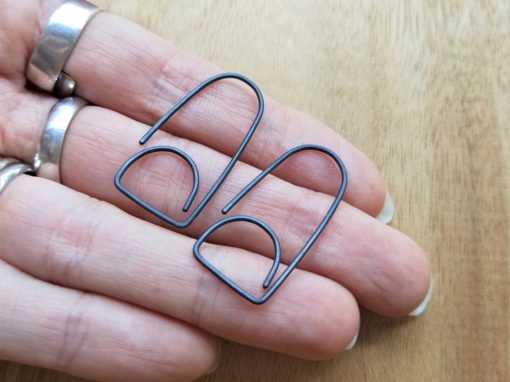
[
  {"x": 75, "y": 330},
  {"x": 167, "y": 70},
  {"x": 70, "y": 243},
  {"x": 204, "y": 298}
]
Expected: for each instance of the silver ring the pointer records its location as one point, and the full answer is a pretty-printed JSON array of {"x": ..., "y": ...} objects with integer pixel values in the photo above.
[
  {"x": 4, "y": 162},
  {"x": 47, "y": 160},
  {"x": 11, "y": 171},
  {"x": 57, "y": 41}
]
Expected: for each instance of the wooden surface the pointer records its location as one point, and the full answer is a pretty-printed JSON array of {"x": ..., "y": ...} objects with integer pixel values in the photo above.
[{"x": 423, "y": 87}]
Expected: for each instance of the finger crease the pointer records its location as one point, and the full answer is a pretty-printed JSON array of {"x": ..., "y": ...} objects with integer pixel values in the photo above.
[{"x": 75, "y": 332}]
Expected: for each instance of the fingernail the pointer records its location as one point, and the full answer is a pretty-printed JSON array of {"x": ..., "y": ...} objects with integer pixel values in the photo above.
[
  {"x": 353, "y": 342},
  {"x": 216, "y": 364},
  {"x": 388, "y": 210},
  {"x": 421, "y": 308}
]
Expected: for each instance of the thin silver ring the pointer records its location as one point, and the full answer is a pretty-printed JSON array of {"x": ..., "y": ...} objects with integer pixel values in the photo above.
[
  {"x": 11, "y": 171},
  {"x": 47, "y": 160},
  {"x": 4, "y": 162},
  {"x": 57, "y": 41}
]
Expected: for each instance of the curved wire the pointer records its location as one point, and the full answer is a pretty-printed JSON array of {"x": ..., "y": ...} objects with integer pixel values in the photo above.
[
  {"x": 192, "y": 216},
  {"x": 313, "y": 238},
  {"x": 276, "y": 243},
  {"x": 150, "y": 150}
]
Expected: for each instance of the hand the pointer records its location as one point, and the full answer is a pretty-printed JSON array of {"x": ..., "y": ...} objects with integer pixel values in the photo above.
[{"x": 90, "y": 285}]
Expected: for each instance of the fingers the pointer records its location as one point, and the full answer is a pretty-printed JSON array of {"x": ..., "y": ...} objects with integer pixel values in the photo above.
[
  {"x": 78, "y": 242},
  {"x": 386, "y": 271},
  {"x": 95, "y": 337},
  {"x": 112, "y": 49}
]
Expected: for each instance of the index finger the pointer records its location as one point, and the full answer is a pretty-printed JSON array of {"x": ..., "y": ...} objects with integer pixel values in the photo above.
[{"x": 123, "y": 67}]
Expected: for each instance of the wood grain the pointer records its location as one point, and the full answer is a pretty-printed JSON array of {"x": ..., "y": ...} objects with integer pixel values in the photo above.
[{"x": 423, "y": 87}]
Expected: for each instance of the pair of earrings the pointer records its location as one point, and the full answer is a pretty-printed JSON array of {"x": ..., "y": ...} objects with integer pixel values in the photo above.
[{"x": 269, "y": 284}]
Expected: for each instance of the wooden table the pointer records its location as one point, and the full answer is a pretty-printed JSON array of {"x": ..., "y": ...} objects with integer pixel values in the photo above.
[{"x": 423, "y": 87}]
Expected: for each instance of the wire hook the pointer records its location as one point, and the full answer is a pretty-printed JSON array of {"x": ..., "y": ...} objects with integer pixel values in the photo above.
[
  {"x": 235, "y": 287},
  {"x": 192, "y": 216}
]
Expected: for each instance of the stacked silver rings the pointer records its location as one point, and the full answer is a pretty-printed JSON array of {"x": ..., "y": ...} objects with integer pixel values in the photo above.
[{"x": 46, "y": 70}]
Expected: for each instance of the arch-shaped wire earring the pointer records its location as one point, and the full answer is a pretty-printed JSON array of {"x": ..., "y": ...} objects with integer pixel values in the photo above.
[
  {"x": 313, "y": 238},
  {"x": 151, "y": 150},
  {"x": 192, "y": 216}
]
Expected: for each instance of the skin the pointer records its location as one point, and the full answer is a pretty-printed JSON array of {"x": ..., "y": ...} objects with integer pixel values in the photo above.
[{"x": 112, "y": 294}]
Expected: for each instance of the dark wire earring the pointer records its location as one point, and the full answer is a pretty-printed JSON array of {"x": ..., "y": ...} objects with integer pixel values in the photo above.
[
  {"x": 269, "y": 278},
  {"x": 193, "y": 215}
]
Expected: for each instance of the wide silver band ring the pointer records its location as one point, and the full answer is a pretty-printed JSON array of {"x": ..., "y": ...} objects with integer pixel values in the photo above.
[
  {"x": 57, "y": 41},
  {"x": 47, "y": 160},
  {"x": 10, "y": 169}
]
